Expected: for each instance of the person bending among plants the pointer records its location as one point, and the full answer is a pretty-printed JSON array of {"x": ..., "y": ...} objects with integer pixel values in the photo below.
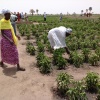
[
  {"x": 57, "y": 36},
  {"x": 9, "y": 52}
]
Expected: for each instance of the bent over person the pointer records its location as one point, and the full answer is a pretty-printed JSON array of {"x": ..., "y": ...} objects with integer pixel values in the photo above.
[
  {"x": 9, "y": 52},
  {"x": 57, "y": 37}
]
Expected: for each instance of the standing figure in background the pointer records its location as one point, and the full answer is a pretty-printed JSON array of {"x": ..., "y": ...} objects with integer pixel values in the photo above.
[
  {"x": 13, "y": 19},
  {"x": 44, "y": 15},
  {"x": 22, "y": 15},
  {"x": 60, "y": 16},
  {"x": 26, "y": 17}
]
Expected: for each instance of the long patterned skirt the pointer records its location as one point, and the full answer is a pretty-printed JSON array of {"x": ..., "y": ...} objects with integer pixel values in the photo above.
[{"x": 9, "y": 52}]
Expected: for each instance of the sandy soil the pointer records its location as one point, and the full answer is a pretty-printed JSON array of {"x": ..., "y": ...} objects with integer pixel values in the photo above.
[{"x": 31, "y": 84}]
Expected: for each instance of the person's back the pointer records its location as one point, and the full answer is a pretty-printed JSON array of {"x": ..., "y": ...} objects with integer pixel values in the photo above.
[
  {"x": 13, "y": 19},
  {"x": 58, "y": 35},
  {"x": 60, "y": 31}
]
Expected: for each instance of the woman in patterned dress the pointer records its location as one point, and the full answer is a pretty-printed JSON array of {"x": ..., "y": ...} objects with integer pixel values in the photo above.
[{"x": 9, "y": 52}]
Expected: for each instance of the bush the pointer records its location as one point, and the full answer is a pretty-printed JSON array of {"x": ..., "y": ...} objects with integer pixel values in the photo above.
[
  {"x": 30, "y": 48},
  {"x": 63, "y": 81},
  {"x": 92, "y": 82},
  {"x": 77, "y": 59},
  {"x": 45, "y": 65},
  {"x": 77, "y": 91},
  {"x": 93, "y": 59}
]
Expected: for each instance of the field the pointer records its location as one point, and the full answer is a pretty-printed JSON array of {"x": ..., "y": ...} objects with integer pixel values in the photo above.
[{"x": 47, "y": 75}]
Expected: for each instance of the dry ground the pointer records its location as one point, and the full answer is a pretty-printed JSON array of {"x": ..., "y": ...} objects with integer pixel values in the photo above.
[{"x": 31, "y": 84}]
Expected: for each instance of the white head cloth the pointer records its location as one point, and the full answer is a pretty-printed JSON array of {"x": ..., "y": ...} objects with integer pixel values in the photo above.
[
  {"x": 68, "y": 30},
  {"x": 4, "y": 11}
]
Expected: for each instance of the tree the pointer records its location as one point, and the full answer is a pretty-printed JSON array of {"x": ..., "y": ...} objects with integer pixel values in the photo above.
[
  {"x": 90, "y": 9},
  {"x": 37, "y": 11},
  {"x": 32, "y": 11}
]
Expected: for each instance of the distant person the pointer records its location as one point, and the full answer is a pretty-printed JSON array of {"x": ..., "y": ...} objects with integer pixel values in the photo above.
[
  {"x": 9, "y": 52},
  {"x": 57, "y": 37},
  {"x": 44, "y": 15},
  {"x": 22, "y": 15},
  {"x": 26, "y": 17},
  {"x": 18, "y": 16},
  {"x": 13, "y": 19},
  {"x": 60, "y": 16}
]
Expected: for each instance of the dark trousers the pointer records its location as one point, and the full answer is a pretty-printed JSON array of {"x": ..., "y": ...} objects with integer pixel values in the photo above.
[
  {"x": 44, "y": 19},
  {"x": 14, "y": 26}
]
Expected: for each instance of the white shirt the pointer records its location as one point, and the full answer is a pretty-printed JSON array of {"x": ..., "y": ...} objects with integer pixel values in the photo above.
[
  {"x": 44, "y": 15},
  {"x": 57, "y": 37},
  {"x": 13, "y": 18}
]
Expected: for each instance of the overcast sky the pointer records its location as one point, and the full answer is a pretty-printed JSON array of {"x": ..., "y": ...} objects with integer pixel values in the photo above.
[{"x": 50, "y": 6}]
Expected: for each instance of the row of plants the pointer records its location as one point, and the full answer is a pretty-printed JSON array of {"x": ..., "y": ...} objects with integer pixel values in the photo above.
[
  {"x": 43, "y": 62},
  {"x": 84, "y": 46},
  {"x": 77, "y": 90},
  {"x": 84, "y": 49}
]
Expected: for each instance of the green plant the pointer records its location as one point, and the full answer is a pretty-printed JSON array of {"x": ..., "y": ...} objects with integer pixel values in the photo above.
[
  {"x": 61, "y": 62},
  {"x": 28, "y": 35},
  {"x": 39, "y": 58},
  {"x": 30, "y": 48},
  {"x": 94, "y": 44},
  {"x": 76, "y": 59},
  {"x": 97, "y": 51},
  {"x": 45, "y": 65},
  {"x": 40, "y": 46},
  {"x": 44, "y": 37},
  {"x": 73, "y": 46},
  {"x": 85, "y": 44},
  {"x": 92, "y": 81},
  {"x": 56, "y": 54},
  {"x": 86, "y": 52},
  {"x": 93, "y": 59},
  {"x": 22, "y": 32},
  {"x": 77, "y": 91},
  {"x": 98, "y": 95},
  {"x": 48, "y": 46},
  {"x": 33, "y": 31},
  {"x": 63, "y": 81}
]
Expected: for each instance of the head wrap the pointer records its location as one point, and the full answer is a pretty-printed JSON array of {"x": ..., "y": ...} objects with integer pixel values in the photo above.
[
  {"x": 68, "y": 30},
  {"x": 4, "y": 11}
]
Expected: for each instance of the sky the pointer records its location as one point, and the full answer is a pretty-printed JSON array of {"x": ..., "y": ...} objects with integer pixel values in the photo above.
[{"x": 51, "y": 6}]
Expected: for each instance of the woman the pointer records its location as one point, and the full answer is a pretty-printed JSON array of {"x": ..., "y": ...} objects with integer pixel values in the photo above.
[
  {"x": 9, "y": 52},
  {"x": 57, "y": 37}
]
